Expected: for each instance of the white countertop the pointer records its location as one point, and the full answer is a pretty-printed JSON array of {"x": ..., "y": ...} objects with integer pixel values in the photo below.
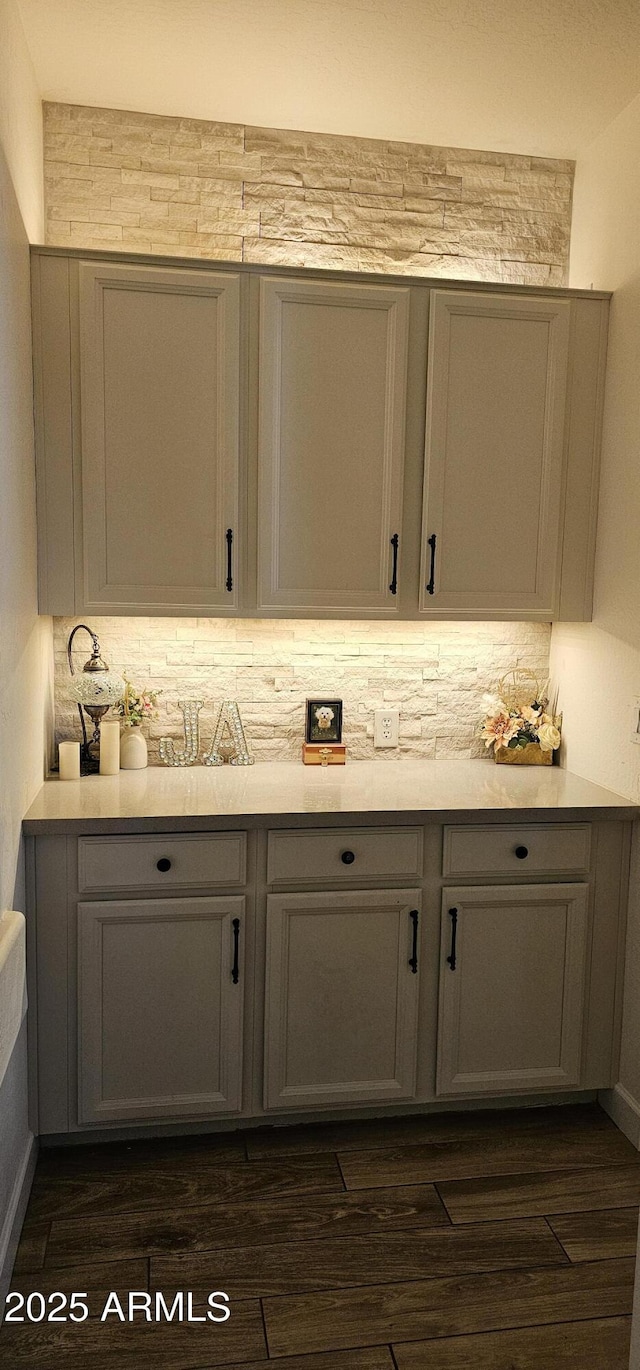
[{"x": 198, "y": 797}]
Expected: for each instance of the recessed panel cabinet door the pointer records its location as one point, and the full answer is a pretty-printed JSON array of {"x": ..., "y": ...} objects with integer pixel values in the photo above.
[
  {"x": 159, "y": 390},
  {"x": 160, "y": 1008},
  {"x": 512, "y": 988},
  {"x": 333, "y": 362},
  {"x": 341, "y": 998},
  {"x": 494, "y": 455}
]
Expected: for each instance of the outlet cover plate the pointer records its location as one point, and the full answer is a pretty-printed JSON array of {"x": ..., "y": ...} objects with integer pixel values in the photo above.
[{"x": 386, "y": 723}]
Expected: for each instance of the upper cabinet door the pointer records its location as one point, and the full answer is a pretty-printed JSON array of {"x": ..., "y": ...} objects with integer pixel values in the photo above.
[
  {"x": 159, "y": 386},
  {"x": 494, "y": 455},
  {"x": 333, "y": 362}
]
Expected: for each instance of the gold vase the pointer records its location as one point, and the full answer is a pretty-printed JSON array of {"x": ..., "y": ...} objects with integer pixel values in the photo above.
[{"x": 531, "y": 755}]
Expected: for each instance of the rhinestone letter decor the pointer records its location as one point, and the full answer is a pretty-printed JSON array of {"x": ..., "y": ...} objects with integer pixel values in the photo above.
[
  {"x": 229, "y": 742},
  {"x": 187, "y": 755}
]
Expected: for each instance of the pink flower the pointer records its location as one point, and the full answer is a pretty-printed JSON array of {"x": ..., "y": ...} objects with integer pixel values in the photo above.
[{"x": 499, "y": 730}]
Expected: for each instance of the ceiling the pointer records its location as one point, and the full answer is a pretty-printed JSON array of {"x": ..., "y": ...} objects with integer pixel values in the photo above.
[{"x": 531, "y": 76}]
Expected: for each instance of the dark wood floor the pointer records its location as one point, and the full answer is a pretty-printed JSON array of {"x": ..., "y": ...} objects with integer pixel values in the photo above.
[{"x": 458, "y": 1242}]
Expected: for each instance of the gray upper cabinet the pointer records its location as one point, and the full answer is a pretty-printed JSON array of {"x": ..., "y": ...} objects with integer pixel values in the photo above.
[
  {"x": 220, "y": 439},
  {"x": 159, "y": 385},
  {"x": 142, "y": 441},
  {"x": 494, "y": 454},
  {"x": 333, "y": 366}
]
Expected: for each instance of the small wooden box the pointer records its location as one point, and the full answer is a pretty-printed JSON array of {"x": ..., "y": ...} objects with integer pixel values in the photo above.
[{"x": 324, "y": 753}]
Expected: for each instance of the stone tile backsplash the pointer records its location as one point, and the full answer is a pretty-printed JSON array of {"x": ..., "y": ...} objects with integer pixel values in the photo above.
[
  {"x": 151, "y": 183},
  {"x": 434, "y": 673}
]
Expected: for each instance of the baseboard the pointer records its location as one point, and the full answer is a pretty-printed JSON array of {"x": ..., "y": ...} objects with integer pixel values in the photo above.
[
  {"x": 624, "y": 1110},
  {"x": 331, "y": 1114},
  {"x": 12, "y": 1226}
]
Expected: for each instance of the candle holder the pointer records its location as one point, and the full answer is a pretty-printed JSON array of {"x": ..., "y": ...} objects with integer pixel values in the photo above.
[{"x": 94, "y": 690}]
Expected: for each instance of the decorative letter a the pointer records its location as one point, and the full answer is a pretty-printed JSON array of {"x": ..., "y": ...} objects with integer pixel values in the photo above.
[{"x": 235, "y": 751}]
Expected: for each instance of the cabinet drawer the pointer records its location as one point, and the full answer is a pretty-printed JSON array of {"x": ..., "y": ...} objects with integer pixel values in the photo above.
[
  {"x": 118, "y": 863},
  {"x": 540, "y": 849},
  {"x": 347, "y": 855}
]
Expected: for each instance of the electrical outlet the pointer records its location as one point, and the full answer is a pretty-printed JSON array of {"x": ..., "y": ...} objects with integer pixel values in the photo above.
[{"x": 385, "y": 727}]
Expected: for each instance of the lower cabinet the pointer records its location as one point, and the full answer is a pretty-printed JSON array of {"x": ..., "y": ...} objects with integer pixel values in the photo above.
[
  {"x": 341, "y": 998},
  {"x": 160, "y": 1008},
  {"x": 512, "y": 988},
  {"x": 495, "y": 974}
]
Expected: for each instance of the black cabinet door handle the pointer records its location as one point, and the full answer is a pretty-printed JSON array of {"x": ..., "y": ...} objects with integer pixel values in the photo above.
[
  {"x": 348, "y": 857},
  {"x": 163, "y": 864},
  {"x": 229, "y": 581},
  {"x": 235, "y": 969},
  {"x": 432, "y": 575},
  {"x": 394, "y": 573},
  {"x": 451, "y": 958},
  {"x": 413, "y": 959},
  {"x": 522, "y": 853}
]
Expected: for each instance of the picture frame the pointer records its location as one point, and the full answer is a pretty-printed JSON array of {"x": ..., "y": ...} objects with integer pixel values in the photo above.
[{"x": 324, "y": 720}]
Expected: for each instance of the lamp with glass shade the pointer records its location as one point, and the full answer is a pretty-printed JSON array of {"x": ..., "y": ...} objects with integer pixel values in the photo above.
[{"x": 95, "y": 689}]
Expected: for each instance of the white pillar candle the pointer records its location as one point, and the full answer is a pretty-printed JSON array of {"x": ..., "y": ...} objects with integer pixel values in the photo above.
[
  {"x": 69, "y": 760},
  {"x": 109, "y": 748}
]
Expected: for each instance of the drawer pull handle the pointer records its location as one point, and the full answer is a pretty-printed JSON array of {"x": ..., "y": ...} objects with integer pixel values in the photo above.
[
  {"x": 163, "y": 864},
  {"x": 451, "y": 958},
  {"x": 522, "y": 853},
  {"x": 413, "y": 959},
  {"x": 431, "y": 583},
  {"x": 235, "y": 969},
  {"x": 394, "y": 574},
  {"x": 348, "y": 857}
]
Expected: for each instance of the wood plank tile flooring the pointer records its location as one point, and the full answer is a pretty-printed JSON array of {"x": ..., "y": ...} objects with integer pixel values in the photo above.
[{"x": 477, "y": 1241}]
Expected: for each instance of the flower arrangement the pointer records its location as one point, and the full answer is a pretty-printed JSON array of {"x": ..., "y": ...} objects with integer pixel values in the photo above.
[
  {"x": 136, "y": 706},
  {"x": 518, "y": 724}
]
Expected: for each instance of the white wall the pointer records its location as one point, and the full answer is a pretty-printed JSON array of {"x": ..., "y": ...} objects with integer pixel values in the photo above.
[
  {"x": 25, "y": 639},
  {"x": 539, "y": 78},
  {"x": 21, "y": 120},
  {"x": 598, "y": 664}
]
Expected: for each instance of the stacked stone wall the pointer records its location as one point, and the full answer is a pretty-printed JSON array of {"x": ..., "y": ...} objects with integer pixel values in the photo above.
[{"x": 192, "y": 188}]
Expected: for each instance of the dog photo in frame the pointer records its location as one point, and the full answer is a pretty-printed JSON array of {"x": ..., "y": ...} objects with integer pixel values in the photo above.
[{"x": 324, "y": 720}]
